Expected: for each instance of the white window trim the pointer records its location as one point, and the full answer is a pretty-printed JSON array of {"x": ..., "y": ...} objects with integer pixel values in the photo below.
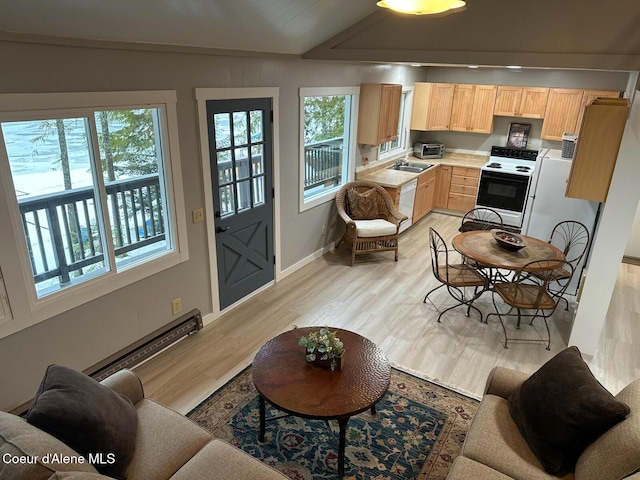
[
  {"x": 329, "y": 194},
  {"x": 406, "y": 118},
  {"x": 13, "y": 106}
]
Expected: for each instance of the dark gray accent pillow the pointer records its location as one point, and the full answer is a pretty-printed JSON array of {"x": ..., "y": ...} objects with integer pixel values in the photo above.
[
  {"x": 89, "y": 417},
  {"x": 561, "y": 409}
]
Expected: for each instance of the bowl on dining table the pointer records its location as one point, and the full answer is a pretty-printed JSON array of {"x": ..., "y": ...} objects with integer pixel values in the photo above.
[{"x": 508, "y": 240}]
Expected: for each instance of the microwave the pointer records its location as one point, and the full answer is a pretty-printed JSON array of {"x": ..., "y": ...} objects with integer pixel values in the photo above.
[{"x": 428, "y": 150}]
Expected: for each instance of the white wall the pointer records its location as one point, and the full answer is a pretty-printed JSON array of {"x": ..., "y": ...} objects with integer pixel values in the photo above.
[
  {"x": 633, "y": 245},
  {"x": 610, "y": 240}
]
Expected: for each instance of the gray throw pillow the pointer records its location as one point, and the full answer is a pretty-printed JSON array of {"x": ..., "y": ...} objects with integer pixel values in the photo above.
[
  {"x": 561, "y": 409},
  {"x": 95, "y": 421}
]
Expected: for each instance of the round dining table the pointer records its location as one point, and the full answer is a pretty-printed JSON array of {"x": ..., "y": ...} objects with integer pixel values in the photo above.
[{"x": 480, "y": 246}]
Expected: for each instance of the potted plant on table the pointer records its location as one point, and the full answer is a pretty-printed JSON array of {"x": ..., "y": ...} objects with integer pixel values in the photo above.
[{"x": 324, "y": 348}]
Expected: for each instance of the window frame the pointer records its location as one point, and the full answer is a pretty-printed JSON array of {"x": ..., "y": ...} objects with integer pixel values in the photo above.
[
  {"x": 16, "y": 107},
  {"x": 329, "y": 194},
  {"x": 403, "y": 127}
]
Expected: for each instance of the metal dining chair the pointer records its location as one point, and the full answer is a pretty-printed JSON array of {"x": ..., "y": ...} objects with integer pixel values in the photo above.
[
  {"x": 529, "y": 292},
  {"x": 455, "y": 277},
  {"x": 481, "y": 218},
  {"x": 572, "y": 238}
]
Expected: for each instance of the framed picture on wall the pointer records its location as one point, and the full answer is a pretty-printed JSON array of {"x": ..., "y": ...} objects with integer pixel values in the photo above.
[{"x": 518, "y": 135}]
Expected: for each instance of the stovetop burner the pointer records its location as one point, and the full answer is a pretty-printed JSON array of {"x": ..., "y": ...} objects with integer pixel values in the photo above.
[{"x": 518, "y": 161}]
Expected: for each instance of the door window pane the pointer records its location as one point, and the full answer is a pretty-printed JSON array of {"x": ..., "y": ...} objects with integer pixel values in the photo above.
[
  {"x": 244, "y": 195},
  {"x": 258, "y": 191},
  {"x": 257, "y": 160},
  {"x": 222, "y": 130},
  {"x": 256, "y": 126},
  {"x": 240, "y": 128},
  {"x": 242, "y": 163},
  {"x": 227, "y": 201},
  {"x": 225, "y": 167}
]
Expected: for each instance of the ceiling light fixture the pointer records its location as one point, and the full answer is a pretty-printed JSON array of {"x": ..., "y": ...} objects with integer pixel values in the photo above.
[{"x": 422, "y": 7}]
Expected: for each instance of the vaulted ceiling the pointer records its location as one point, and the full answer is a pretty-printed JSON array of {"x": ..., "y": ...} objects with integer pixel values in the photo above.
[{"x": 592, "y": 34}]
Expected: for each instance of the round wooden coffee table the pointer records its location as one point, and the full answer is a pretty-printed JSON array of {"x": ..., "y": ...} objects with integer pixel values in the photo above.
[{"x": 287, "y": 381}]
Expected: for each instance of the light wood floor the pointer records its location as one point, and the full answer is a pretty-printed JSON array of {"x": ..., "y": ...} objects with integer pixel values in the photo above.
[{"x": 382, "y": 300}]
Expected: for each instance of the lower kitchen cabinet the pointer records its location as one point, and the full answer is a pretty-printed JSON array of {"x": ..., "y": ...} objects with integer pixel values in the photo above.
[
  {"x": 395, "y": 195},
  {"x": 443, "y": 183},
  {"x": 424, "y": 194},
  {"x": 463, "y": 188}
]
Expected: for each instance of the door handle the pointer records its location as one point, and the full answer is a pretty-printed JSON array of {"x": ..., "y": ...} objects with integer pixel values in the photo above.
[{"x": 221, "y": 230}]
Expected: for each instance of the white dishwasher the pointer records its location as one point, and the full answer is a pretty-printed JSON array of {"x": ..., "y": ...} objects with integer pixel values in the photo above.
[{"x": 407, "y": 197}]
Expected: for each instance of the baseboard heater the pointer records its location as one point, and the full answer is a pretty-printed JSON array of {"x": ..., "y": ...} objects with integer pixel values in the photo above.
[{"x": 148, "y": 346}]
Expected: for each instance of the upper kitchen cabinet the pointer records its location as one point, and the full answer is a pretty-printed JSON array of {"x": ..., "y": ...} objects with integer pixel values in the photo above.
[
  {"x": 563, "y": 108},
  {"x": 526, "y": 102},
  {"x": 432, "y": 104},
  {"x": 472, "y": 109},
  {"x": 588, "y": 96},
  {"x": 597, "y": 149},
  {"x": 378, "y": 113}
]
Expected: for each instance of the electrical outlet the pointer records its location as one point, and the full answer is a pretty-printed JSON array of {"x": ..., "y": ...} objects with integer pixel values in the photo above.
[
  {"x": 176, "y": 306},
  {"x": 198, "y": 215},
  {"x": 324, "y": 229}
]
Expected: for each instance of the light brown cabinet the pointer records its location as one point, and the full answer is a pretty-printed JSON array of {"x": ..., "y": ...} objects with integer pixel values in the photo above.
[
  {"x": 562, "y": 112},
  {"x": 432, "y": 104},
  {"x": 424, "y": 194},
  {"x": 463, "y": 188},
  {"x": 472, "y": 108},
  {"x": 597, "y": 149},
  {"x": 526, "y": 102},
  {"x": 378, "y": 113},
  {"x": 443, "y": 183}
]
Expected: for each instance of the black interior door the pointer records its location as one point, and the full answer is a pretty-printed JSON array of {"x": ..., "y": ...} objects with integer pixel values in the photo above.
[{"x": 240, "y": 145}]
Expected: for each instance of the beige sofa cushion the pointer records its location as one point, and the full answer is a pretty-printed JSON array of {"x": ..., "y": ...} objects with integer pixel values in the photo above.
[
  {"x": 466, "y": 469},
  {"x": 616, "y": 453},
  {"x": 219, "y": 460},
  {"x": 495, "y": 441},
  {"x": 375, "y": 228},
  {"x": 19, "y": 439},
  {"x": 166, "y": 441}
]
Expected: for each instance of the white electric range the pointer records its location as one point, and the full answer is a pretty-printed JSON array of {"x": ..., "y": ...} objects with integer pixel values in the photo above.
[{"x": 505, "y": 181}]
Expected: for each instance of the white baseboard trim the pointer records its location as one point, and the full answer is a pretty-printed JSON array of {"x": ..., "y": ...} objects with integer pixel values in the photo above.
[
  {"x": 208, "y": 319},
  {"x": 306, "y": 261}
]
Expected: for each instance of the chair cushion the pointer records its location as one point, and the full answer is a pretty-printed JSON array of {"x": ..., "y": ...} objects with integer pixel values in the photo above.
[
  {"x": 375, "y": 228},
  {"x": 561, "y": 409},
  {"x": 89, "y": 417},
  {"x": 363, "y": 206}
]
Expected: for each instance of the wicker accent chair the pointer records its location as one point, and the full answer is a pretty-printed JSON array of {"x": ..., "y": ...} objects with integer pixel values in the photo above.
[{"x": 379, "y": 233}]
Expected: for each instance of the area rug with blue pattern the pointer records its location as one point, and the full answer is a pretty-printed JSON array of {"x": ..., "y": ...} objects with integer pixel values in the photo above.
[{"x": 416, "y": 433}]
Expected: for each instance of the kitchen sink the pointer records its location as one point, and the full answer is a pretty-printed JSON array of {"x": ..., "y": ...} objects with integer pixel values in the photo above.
[{"x": 412, "y": 167}]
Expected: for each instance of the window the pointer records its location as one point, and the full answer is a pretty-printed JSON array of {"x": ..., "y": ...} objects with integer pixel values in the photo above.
[
  {"x": 400, "y": 144},
  {"x": 327, "y": 142},
  {"x": 94, "y": 191}
]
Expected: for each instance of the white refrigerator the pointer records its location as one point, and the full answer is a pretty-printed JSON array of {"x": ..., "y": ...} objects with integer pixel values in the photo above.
[{"x": 550, "y": 206}]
